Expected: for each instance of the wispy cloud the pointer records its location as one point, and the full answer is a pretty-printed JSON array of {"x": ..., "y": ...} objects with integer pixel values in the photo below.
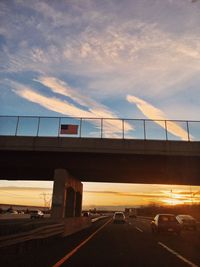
[
  {"x": 24, "y": 195},
  {"x": 126, "y": 194},
  {"x": 111, "y": 53},
  {"x": 91, "y": 109},
  {"x": 50, "y": 103},
  {"x": 27, "y": 188},
  {"x": 62, "y": 88},
  {"x": 95, "y": 109},
  {"x": 164, "y": 196},
  {"x": 117, "y": 55},
  {"x": 158, "y": 117}
]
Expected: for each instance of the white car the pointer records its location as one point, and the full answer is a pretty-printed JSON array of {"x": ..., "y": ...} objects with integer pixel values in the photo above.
[
  {"x": 165, "y": 223},
  {"x": 12, "y": 212},
  {"x": 119, "y": 217}
]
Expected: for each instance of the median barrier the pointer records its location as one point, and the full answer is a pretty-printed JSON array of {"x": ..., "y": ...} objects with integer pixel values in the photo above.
[
  {"x": 62, "y": 229},
  {"x": 76, "y": 224},
  {"x": 9, "y": 216},
  {"x": 98, "y": 218},
  {"x": 39, "y": 233}
]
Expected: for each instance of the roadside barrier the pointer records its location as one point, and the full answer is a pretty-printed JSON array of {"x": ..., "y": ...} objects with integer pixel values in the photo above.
[
  {"x": 43, "y": 232},
  {"x": 39, "y": 233}
]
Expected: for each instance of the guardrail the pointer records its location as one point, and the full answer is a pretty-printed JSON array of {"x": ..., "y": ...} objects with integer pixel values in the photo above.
[
  {"x": 38, "y": 233},
  {"x": 121, "y": 128}
]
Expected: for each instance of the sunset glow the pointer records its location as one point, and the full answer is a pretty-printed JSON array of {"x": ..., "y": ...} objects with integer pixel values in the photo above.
[
  {"x": 173, "y": 202},
  {"x": 101, "y": 194}
]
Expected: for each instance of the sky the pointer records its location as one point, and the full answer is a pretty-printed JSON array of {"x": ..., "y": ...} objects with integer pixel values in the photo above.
[
  {"x": 101, "y": 195},
  {"x": 136, "y": 59}
]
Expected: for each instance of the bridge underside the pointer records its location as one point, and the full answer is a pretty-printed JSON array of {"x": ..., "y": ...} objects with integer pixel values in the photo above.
[{"x": 101, "y": 167}]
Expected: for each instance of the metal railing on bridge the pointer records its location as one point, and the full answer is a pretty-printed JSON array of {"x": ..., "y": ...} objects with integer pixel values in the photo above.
[{"x": 143, "y": 129}]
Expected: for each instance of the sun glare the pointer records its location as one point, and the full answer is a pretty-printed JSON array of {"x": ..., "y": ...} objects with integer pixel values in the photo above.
[{"x": 173, "y": 201}]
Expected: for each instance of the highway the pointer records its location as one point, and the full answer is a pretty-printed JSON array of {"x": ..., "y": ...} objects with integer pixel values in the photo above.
[{"x": 109, "y": 244}]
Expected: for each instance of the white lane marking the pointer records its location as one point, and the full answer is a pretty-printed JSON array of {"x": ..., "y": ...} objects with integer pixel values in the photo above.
[
  {"x": 178, "y": 255},
  {"x": 140, "y": 230},
  {"x": 71, "y": 253}
]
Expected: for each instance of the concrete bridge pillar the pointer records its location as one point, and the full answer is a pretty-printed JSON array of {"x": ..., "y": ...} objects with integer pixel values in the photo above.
[{"x": 67, "y": 195}]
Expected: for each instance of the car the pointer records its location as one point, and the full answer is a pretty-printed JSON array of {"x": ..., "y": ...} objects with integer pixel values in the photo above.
[
  {"x": 36, "y": 214},
  {"x": 86, "y": 214},
  {"x": 165, "y": 223},
  {"x": 12, "y": 212},
  {"x": 187, "y": 221},
  {"x": 119, "y": 217},
  {"x": 20, "y": 212}
]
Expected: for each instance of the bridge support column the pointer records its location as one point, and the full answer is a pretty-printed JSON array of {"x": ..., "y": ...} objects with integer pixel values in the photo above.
[{"x": 67, "y": 195}]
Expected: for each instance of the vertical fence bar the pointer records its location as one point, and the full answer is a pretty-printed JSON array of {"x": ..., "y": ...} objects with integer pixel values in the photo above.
[
  {"x": 101, "y": 128},
  {"x": 188, "y": 132},
  {"x": 16, "y": 130},
  {"x": 80, "y": 127},
  {"x": 123, "y": 128},
  {"x": 38, "y": 127},
  {"x": 166, "y": 130},
  {"x": 145, "y": 137},
  {"x": 59, "y": 123}
]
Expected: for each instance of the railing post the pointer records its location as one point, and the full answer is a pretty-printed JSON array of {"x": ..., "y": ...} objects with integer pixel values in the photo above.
[
  {"x": 123, "y": 128},
  {"x": 17, "y": 126},
  {"x": 101, "y": 128},
  {"x": 145, "y": 137},
  {"x": 188, "y": 132},
  {"x": 166, "y": 130},
  {"x": 59, "y": 123},
  {"x": 80, "y": 127},
  {"x": 38, "y": 126}
]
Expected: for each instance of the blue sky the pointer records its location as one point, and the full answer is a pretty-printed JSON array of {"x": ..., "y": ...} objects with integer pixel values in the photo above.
[{"x": 87, "y": 58}]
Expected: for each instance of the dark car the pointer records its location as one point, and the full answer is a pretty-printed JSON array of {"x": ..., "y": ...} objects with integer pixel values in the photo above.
[
  {"x": 36, "y": 214},
  {"x": 187, "y": 221},
  {"x": 165, "y": 223}
]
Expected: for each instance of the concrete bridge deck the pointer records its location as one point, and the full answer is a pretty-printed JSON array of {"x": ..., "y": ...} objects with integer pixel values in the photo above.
[{"x": 101, "y": 160}]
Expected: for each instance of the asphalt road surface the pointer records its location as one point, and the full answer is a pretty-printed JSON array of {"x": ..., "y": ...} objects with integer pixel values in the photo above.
[{"x": 108, "y": 244}]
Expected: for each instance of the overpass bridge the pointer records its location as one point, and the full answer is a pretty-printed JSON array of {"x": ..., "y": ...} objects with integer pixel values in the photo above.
[
  {"x": 70, "y": 150},
  {"x": 101, "y": 160},
  {"x": 100, "y": 150}
]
